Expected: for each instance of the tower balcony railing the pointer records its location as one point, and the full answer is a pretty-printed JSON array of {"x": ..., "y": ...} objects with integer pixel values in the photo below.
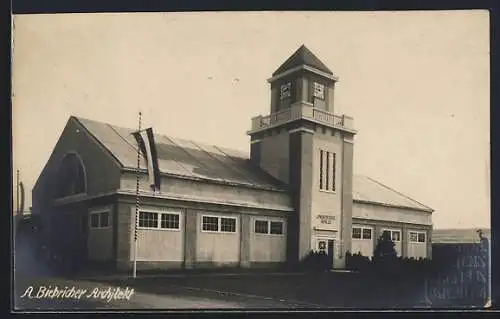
[{"x": 303, "y": 111}]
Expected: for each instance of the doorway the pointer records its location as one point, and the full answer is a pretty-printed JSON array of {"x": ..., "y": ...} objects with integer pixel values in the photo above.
[{"x": 326, "y": 246}]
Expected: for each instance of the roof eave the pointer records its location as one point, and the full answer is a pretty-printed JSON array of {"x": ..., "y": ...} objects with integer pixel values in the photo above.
[
  {"x": 208, "y": 180},
  {"x": 361, "y": 201},
  {"x": 280, "y": 75}
]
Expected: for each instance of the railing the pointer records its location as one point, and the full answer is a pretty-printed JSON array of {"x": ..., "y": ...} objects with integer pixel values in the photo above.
[{"x": 305, "y": 111}]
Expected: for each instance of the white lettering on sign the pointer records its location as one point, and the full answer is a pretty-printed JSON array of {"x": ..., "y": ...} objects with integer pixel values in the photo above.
[{"x": 326, "y": 219}]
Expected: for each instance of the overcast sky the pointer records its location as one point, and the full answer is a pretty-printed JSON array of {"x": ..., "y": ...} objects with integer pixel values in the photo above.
[{"x": 416, "y": 83}]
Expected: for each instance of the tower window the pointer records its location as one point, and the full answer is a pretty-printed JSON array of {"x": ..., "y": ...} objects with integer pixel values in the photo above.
[
  {"x": 319, "y": 91},
  {"x": 327, "y": 169},
  {"x": 321, "y": 169},
  {"x": 327, "y": 176},
  {"x": 285, "y": 90},
  {"x": 333, "y": 170}
]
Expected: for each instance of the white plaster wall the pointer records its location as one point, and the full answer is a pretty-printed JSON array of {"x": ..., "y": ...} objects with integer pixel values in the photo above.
[
  {"x": 364, "y": 246},
  {"x": 267, "y": 247},
  {"x": 158, "y": 244},
  {"x": 326, "y": 202},
  {"x": 275, "y": 155},
  {"x": 183, "y": 188},
  {"x": 375, "y": 212},
  {"x": 100, "y": 240},
  {"x": 217, "y": 247},
  {"x": 417, "y": 250}
]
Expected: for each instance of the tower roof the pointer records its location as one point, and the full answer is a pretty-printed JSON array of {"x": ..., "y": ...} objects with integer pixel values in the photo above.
[{"x": 303, "y": 56}]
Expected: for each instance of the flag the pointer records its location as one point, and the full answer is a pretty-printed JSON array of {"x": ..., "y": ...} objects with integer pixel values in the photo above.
[
  {"x": 147, "y": 145},
  {"x": 21, "y": 199}
]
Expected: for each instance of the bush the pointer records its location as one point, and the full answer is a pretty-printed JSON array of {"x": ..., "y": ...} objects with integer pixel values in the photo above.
[
  {"x": 385, "y": 251},
  {"x": 316, "y": 261},
  {"x": 394, "y": 267},
  {"x": 357, "y": 262}
]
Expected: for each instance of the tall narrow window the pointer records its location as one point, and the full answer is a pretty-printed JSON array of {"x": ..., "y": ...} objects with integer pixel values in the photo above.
[
  {"x": 321, "y": 169},
  {"x": 327, "y": 169},
  {"x": 333, "y": 170}
]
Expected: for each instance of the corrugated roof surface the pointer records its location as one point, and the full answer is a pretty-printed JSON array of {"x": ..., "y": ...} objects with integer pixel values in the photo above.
[
  {"x": 456, "y": 236},
  {"x": 366, "y": 189},
  {"x": 182, "y": 157},
  {"x": 192, "y": 159}
]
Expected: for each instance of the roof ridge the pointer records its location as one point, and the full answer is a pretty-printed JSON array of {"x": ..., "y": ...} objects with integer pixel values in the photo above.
[{"x": 399, "y": 193}]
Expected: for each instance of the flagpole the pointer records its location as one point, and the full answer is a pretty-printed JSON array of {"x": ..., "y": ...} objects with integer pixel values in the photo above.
[
  {"x": 489, "y": 301},
  {"x": 137, "y": 200},
  {"x": 17, "y": 198}
]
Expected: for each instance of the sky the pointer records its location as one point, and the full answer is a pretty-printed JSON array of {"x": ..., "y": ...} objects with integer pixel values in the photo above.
[{"x": 416, "y": 84}]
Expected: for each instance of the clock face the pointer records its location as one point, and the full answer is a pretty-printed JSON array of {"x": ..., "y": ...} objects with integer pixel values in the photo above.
[
  {"x": 285, "y": 90},
  {"x": 319, "y": 90}
]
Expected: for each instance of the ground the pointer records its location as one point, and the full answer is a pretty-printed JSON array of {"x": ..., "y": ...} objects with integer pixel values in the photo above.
[
  {"x": 249, "y": 290},
  {"x": 218, "y": 291}
]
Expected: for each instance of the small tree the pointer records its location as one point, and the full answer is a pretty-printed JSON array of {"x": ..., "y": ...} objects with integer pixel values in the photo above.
[{"x": 385, "y": 251}]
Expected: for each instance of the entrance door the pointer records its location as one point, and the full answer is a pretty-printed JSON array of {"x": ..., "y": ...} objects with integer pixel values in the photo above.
[
  {"x": 326, "y": 245},
  {"x": 330, "y": 253}
]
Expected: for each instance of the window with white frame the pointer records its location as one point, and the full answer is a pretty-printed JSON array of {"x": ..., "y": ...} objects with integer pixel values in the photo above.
[
  {"x": 148, "y": 219},
  {"x": 421, "y": 237},
  {"x": 417, "y": 237},
  {"x": 359, "y": 232},
  {"x": 159, "y": 220},
  {"x": 413, "y": 237},
  {"x": 99, "y": 219},
  {"x": 218, "y": 224},
  {"x": 210, "y": 223},
  {"x": 261, "y": 226},
  {"x": 272, "y": 227},
  {"x": 356, "y": 232},
  {"x": 228, "y": 225},
  {"x": 395, "y": 235},
  {"x": 327, "y": 165},
  {"x": 170, "y": 221},
  {"x": 367, "y": 233},
  {"x": 276, "y": 228}
]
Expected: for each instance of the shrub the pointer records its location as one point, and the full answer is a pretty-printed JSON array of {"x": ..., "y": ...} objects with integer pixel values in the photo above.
[
  {"x": 315, "y": 261},
  {"x": 402, "y": 267},
  {"x": 385, "y": 251}
]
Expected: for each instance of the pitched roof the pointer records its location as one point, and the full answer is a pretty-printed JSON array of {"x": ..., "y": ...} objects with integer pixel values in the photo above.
[
  {"x": 303, "y": 56},
  {"x": 209, "y": 162},
  {"x": 456, "y": 236},
  {"x": 368, "y": 190},
  {"x": 182, "y": 157}
]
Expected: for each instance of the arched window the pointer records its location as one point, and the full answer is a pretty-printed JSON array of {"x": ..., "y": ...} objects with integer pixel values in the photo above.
[{"x": 70, "y": 176}]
